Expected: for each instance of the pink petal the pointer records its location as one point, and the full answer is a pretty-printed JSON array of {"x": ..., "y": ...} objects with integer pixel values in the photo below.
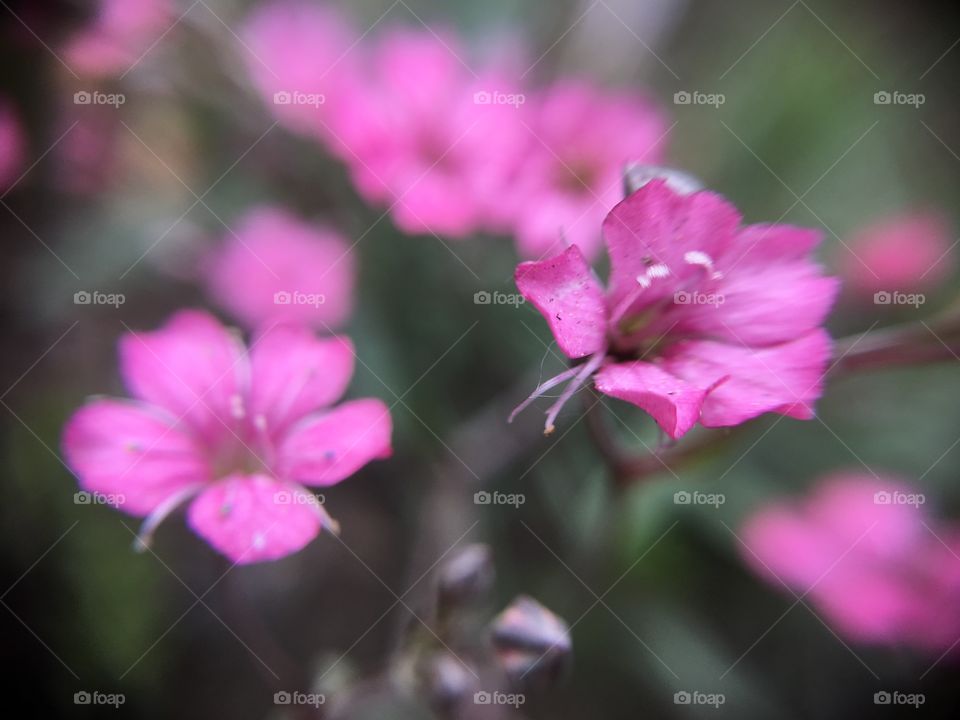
[
  {"x": 128, "y": 449},
  {"x": 763, "y": 244},
  {"x": 193, "y": 367},
  {"x": 764, "y": 306},
  {"x": 294, "y": 373},
  {"x": 673, "y": 403},
  {"x": 327, "y": 448},
  {"x": 252, "y": 518},
  {"x": 785, "y": 378},
  {"x": 565, "y": 290},
  {"x": 657, "y": 225}
]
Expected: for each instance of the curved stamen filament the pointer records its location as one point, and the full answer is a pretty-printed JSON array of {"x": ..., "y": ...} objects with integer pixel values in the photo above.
[
  {"x": 583, "y": 374},
  {"x": 541, "y": 389}
]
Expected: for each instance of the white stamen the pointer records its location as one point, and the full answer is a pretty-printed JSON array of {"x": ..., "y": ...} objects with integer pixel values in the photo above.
[
  {"x": 698, "y": 257},
  {"x": 236, "y": 407},
  {"x": 643, "y": 281},
  {"x": 658, "y": 271}
]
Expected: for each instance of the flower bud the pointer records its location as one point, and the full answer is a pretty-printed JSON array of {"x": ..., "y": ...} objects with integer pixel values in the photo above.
[
  {"x": 532, "y": 644},
  {"x": 466, "y": 577}
]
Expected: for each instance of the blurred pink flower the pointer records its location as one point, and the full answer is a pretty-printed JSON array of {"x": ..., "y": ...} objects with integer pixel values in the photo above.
[
  {"x": 274, "y": 267},
  {"x": 120, "y": 33},
  {"x": 581, "y": 138},
  {"x": 87, "y": 154},
  {"x": 303, "y": 61},
  {"x": 231, "y": 431},
  {"x": 904, "y": 253},
  {"x": 12, "y": 145},
  {"x": 869, "y": 558},
  {"x": 431, "y": 139},
  {"x": 702, "y": 320}
]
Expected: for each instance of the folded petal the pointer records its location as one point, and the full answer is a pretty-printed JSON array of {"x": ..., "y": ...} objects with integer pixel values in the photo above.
[
  {"x": 329, "y": 447},
  {"x": 672, "y": 402},
  {"x": 252, "y": 518},
  {"x": 132, "y": 452},
  {"x": 658, "y": 226},
  {"x": 785, "y": 378},
  {"x": 193, "y": 367},
  {"x": 567, "y": 293},
  {"x": 294, "y": 373}
]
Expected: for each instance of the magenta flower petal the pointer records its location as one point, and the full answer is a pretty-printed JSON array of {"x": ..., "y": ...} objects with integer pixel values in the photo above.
[
  {"x": 295, "y": 373},
  {"x": 672, "y": 402},
  {"x": 786, "y": 378},
  {"x": 275, "y": 267},
  {"x": 326, "y": 448},
  {"x": 251, "y": 518},
  {"x": 134, "y": 452},
  {"x": 565, "y": 290},
  {"x": 12, "y": 145},
  {"x": 192, "y": 367},
  {"x": 659, "y": 227}
]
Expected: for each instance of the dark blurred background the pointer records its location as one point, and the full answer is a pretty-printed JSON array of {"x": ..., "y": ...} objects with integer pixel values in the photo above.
[{"x": 83, "y": 611}]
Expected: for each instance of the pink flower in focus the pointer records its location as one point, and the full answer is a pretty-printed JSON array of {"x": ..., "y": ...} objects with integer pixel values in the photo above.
[
  {"x": 274, "y": 267},
  {"x": 904, "y": 253},
  {"x": 428, "y": 138},
  {"x": 12, "y": 145},
  {"x": 233, "y": 432},
  {"x": 303, "y": 61},
  {"x": 572, "y": 175},
  {"x": 121, "y": 32},
  {"x": 702, "y": 320},
  {"x": 868, "y": 557}
]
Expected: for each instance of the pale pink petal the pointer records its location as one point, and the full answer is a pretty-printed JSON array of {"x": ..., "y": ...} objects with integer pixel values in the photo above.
[
  {"x": 193, "y": 367},
  {"x": 672, "y": 402},
  {"x": 294, "y": 373},
  {"x": 329, "y": 447},
  {"x": 275, "y": 267},
  {"x": 252, "y": 518},
  {"x": 567, "y": 293},
  {"x": 658, "y": 226},
  {"x": 786, "y": 378},
  {"x": 133, "y": 452}
]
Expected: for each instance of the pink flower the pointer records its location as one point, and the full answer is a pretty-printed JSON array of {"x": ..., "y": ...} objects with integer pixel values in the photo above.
[
  {"x": 232, "y": 431},
  {"x": 121, "y": 32},
  {"x": 303, "y": 61},
  {"x": 903, "y": 253},
  {"x": 429, "y": 139},
  {"x": 867, "y": 556},
  {"x": 274, "y": 267},
  {"x": 702, "y": 320},
  {"x": 12, "y": 145},
  {"x": 581, "y": 138}
]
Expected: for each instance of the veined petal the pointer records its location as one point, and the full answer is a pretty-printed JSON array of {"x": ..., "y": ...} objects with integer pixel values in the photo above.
[
  {"x": 568, "y": 295},
  {"x": 252, "y": 518},
  {"x": 294, "y": 373},
  {"x": 132, "y": 452},
  {"x": 329, "y": 447},
  {"x": 671, "y": 401}
]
